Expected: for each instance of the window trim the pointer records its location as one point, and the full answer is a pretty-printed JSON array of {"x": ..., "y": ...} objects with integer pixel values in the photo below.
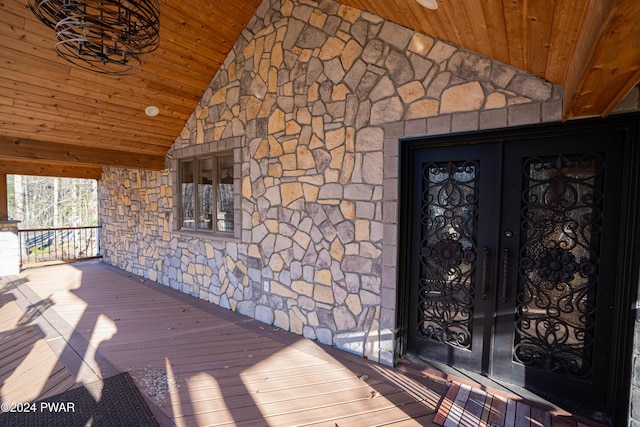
[{"x": 197, "y": 160}]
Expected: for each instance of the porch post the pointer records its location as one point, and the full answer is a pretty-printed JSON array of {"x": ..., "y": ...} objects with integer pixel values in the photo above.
[
  {"x": 4, "y": 209},
  {"x": 9, "y": 242}
]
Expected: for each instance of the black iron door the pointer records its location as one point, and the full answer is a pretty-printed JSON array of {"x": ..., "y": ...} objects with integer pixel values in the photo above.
[
  {"x": 556, "y": 289},
  {"x": 513, "y": 260},
  {"x": 454, "y": 205}
]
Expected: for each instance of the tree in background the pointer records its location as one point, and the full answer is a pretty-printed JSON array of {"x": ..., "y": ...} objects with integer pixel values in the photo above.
[{"x": 48, "y": 202}]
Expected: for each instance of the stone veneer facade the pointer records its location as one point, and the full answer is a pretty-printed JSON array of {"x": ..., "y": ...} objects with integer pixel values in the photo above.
[{"x": 313, "y": 100}]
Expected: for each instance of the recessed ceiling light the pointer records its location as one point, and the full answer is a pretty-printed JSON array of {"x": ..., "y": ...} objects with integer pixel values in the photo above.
[
  {"x": 152, "y": 111},
  {"x": 429, "y": 4}
]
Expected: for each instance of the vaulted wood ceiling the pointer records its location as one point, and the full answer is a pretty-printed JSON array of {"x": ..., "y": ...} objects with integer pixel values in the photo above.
[{"x": 57, "y": 119}]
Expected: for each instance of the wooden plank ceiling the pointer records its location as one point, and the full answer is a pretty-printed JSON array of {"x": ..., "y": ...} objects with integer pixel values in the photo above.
[{"x": 57, "y": 119}]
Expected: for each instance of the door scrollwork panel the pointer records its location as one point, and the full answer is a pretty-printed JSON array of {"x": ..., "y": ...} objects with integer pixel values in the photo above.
[
  {"x": 448, "y": 252},
  {"x": 561, "y": 221}
]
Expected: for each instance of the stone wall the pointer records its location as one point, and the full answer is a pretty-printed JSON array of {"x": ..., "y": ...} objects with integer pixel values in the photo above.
[{"x": 314, "y": 99}]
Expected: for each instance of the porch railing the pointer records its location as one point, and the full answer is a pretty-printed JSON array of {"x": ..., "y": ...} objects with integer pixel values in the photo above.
[{"x": 48, "y": 245}]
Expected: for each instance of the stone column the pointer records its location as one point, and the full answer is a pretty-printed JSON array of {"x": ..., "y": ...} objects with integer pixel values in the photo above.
[{"x": 9, "y": 248}]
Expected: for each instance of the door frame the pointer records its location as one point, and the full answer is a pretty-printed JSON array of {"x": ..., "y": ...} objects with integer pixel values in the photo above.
[{"x": 629, "y": 238}]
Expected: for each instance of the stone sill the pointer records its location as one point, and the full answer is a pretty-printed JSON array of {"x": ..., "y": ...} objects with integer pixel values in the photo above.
[{"x": 206, "y": 236}]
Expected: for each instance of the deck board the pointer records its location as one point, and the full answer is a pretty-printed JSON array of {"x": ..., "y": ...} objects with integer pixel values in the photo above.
[
  {"x": 457, "y": 409},
  {"x": 510, "y": 416},
  {"x": 474, "y": 407},
  {"x": 523, "y": 415},
  {"x": 486, "y": 411},
  {"x": 498, "y": 411},
  {"x": 543, "y": 417},
  {"x": 447, "y": 403}
]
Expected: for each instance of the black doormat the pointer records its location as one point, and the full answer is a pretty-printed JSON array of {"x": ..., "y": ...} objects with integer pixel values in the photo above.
[{"x": 120, "y": 404}]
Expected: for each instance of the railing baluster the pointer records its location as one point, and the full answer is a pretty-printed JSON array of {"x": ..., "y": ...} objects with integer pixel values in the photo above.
[{"x": 55, "y": 234}]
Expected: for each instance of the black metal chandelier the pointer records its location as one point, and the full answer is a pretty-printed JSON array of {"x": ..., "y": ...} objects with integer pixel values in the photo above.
[{"x": 106, "y": 36}]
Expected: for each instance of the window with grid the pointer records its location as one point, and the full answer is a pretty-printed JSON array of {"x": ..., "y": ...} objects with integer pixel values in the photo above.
[{"x": 206, "y": 193}]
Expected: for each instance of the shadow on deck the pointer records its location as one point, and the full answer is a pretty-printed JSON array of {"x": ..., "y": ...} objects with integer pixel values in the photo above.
[{"x": 198, "y": 364}]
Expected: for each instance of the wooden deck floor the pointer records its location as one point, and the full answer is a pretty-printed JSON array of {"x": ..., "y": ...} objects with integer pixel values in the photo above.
[{"x": 198, "y": 364}]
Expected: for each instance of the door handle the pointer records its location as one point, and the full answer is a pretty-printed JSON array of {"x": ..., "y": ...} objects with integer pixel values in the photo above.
[
  {"x": 485, "y": 272},
  {"x": 505, "y": 275}
]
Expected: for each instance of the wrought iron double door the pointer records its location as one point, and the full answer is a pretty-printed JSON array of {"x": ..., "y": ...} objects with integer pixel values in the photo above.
[{"x": 513, "y": 260}]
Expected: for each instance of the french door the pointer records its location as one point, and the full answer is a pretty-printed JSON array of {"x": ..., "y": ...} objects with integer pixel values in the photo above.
[{"x": 513, "y": 259}]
